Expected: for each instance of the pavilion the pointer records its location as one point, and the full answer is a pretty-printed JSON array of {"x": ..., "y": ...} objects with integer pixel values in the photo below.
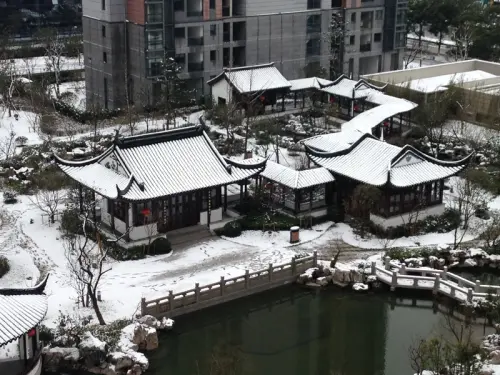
[
  {"x": 408, "y": 179},
  {"x": 258, "y": 85},
  {"x": 298, "y": 192},
  {"x": 158, "y": 182},
  {"x": 21, "y": 311}
]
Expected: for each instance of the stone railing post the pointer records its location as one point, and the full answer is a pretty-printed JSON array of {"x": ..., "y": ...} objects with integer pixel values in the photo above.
[
  {"x": 387, "y": 263},
  {"x": 247, "y": 278},
  {"x": 170, "y": 300},
  {"x": 470, "y": 294},
  {"x": 270, "y": 272},
  {"x": 143, "y": 306},
  {"x": 437, "y": 281},
  {"x": 315, "y": 258},
  {"x": 477, "y": 287},
  {"x": 402, "y": 269},
  {"x": 222, "y": 285},
  {"x": 373, "y": 269},
  {"x": 294, "y": 267},
  {"x": 197, "y": 292},
  {"x": 444, "y": 274},
  {"x": 394, "y": 281}
]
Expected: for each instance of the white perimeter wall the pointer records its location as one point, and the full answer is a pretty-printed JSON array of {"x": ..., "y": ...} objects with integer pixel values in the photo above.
[
  {"x": 404, "y": 218},
  {"x": 215, "y": 215},
  {"x": 221, "y": 90}
]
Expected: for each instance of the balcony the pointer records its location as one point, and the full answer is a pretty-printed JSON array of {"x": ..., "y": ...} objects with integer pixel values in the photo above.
[
  {"x": 367, "y": 47},
  {"x": 366, "y": 24},
  {"x": 195, "y": 66},
  {"x": 193, "y": 42},
  {"x": 155, "y": 18},
  {"x": 194, "y": 13},
  {"x": 226, "y": 11}
]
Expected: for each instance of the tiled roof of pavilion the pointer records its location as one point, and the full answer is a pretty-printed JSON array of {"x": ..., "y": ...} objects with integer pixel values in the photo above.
[
  {"x": 255, "y": 78},
  {"x": 296, "y": 179},
  {"x": 159, "y": 164},
  {"x": 21, "y": 310},
  {"x": 378, "y": 163},
  {"x": 349, "y": 88}
]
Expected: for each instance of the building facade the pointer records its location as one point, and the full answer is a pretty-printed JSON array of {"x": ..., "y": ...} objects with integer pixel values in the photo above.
[{"x": 125, "y": 41}]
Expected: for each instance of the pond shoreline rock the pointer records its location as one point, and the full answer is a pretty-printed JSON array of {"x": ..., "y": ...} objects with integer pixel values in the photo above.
[{"x": 94, "y": 355}]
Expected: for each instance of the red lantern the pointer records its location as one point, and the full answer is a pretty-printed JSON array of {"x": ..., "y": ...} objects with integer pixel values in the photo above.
[
  {"x": 356, "y": 108},
  {"x": 146, "y": 212},
  {"x": 386, "y": 123},
  {"x": 32, "y": 332}
]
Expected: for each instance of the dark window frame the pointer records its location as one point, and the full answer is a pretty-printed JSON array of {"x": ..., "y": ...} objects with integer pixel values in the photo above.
[
  {"x": 120, "y": 210},
  {"x": 139, "y": 219},
  {"x": 377, "y": 37},
  {"x": 103, "y": 31}
]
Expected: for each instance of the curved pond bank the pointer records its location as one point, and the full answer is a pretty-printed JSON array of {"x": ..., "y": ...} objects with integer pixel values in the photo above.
[{"x": 294, "y": 331}]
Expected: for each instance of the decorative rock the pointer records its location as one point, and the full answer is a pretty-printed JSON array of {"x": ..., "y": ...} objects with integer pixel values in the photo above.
[
  {"x": 56, "y": 358},
  {"x": 92, "y": 350},
  {"x": 469, "y": 262},
  {"x": 360, "y": 287},
  {"x": 149, "y": 320},
  {"x": 135, "y": 370},
  {"x": 167, "y": 324},
  {"x": 495, "y": 357},
  {"x": 322, "y": 281},
  {"x": 120, "y": 360}
]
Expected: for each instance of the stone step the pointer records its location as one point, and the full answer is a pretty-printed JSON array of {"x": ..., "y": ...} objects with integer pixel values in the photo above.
[{"x": 185, "y": 238}]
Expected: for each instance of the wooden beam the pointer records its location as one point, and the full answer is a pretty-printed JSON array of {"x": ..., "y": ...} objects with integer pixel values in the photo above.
[{"x": 225, "y": 198}]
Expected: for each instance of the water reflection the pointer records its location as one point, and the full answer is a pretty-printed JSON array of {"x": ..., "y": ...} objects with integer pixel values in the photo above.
[{"x": 297, "y": 332}]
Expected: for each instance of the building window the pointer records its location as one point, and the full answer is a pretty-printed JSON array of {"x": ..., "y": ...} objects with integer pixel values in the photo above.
[
  {"x": 313, "y": 47},
  {"x": 180, "y": 59},
  {"x": 313, "y": 4},
  {"x": 213, "y": 30},
  {"x": 366, "y": 20},
  {"x": 394, "y": 203},
  {"x": 155, "y": 39},
  {"x": 400, "y": 39},
  {"x": 103, "y": 4},
  {"x": 379, "y": 15},
  {"x": 400, "y": 17},
  {"x": 105, "y": 93},
  {"x": 155, "y": 13},
  {"x": 314, "y": 23},
  {"x": 143, "y": 213},
  {"x": 336, "y": 3},
  {"x": 353, "y": 17},
  {"x": 178, "y": 5},
  {"x": 103, "y": 31},
  {"x": 212, "y": 4},
  {"x": 215, "y": 199},
  {"x": 213, "y": 56},
  {"x": 104, "y": 57},
  {"x": 179, "y": 32},
  {"x": 435, "y": 193},
  {"x": 352, "y": 40},
  {"x": 377, "y": 37},
  {"x": 120, "y": 210}
]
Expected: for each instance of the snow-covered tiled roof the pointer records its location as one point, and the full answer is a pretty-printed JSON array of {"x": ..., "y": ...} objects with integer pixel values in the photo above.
[
  {"x": 254, "y": 78},
  {"x": 334, "y": 142},
  {"x": 378, "y": 163},
  {"x": 160, "y": 164},
  {"x": 19, "y": 314},
  {"x": 296, "y": 179},
  {"x": 367, "y": 120},
  {"x": 308, "y": 83},
  {"x": 349, "y": 88}
]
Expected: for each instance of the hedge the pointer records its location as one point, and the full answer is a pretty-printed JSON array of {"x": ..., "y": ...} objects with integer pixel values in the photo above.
[
  {"x": 4, "y": 266},
  {"x": 84, "y": 116}
]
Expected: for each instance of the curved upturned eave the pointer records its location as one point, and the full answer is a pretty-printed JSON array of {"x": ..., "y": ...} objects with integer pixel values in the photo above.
[
  {"x": 431, "y": 159},
  {"x": 82, "y": 163},
  {"x": 328, "y": 154},
  {"x": 235, "y": 163}
]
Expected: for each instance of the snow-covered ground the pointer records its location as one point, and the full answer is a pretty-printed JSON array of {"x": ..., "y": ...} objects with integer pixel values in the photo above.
[
  {"x": 30, "y": 245},
  {"x": 438, "y": 83},
  {"x": 72, "y": 92},
  {"x": 40, "y": 64}
]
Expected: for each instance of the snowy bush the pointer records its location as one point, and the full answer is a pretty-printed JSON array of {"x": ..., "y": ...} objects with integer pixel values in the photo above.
[
  {"x": 160, "y": 246},
  {"x": 21, "y": 140},
  {"x": 9, "y": 197},
  {"x": 4, "y": 265},
  {"x": 71, "y": 222},
  {"x": 232, "y": 229}
]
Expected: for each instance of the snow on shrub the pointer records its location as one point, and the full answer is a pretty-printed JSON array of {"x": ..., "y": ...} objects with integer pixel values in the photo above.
[
  {"x": 4, "y": 266},
  {"x": 232, "y": 229}
]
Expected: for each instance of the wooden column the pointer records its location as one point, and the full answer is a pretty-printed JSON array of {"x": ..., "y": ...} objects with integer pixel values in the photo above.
[
  {"x": 225, "y": 198},
  {"x": 94, "y": 214},
  {"x": 111, "y": 209},
  {"x": 441, "y": 188},
  {"x": 25, "y": 346},
  {"x": 303, "y": 99},
  {"x": 283, "y": 102},
  {"x": 241, "y": 193},
  {"x": 297, "y": 201},
  {"x": 209, "y": 206},
  {"x": 127, "y": 222},
  {"x": 295, "y": 99},
  {"x": 311, "y": 199},
  {"x": 246, "y": 188}
]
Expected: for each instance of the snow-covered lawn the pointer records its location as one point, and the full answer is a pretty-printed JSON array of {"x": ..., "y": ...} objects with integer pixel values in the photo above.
[
  {"x": 23, "y": 126},
  {"x": 73, "y": 92},
  {"x": 40, "y": 64}
]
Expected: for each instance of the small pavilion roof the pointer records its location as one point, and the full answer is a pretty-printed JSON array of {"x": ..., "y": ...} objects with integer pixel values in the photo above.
[
  {"x": 309, "y": 83},
  {"x": 334, "y": 142},
  {"x": 21, "y": 310},
  {"x": 296, "y": 179},
  {"x": 154, "y": 165},
  {"x": 250, "y": 79},
  {"x": 378, "y": 163},
  {"x": 349, "y": 88}
]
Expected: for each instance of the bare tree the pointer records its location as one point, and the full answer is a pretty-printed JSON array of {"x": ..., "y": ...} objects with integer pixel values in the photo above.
[
  {"x": 468, "y": 196},
  {"x": 412, "y": 52},
  {"x": 48, "y": 201},
  {"x": 8, "y": 144},
  {"x": 8, "y": 79},
  {"x": 86, "y": 263},
  {"x": 55, "y": 48},
  {"x": 491, "y": 232}
]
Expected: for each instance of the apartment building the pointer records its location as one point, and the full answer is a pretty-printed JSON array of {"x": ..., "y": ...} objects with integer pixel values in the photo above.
[{"x": 125, "y": 41}]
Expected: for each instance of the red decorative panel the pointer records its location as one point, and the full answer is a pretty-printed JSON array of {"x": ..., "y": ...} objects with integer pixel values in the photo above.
[
  {"x": 218, "y": 9},
  {"x": 135, "y": 11},
  {"x": 206, "y": 10}
]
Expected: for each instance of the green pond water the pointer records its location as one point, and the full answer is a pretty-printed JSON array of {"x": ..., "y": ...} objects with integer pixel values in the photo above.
[{"x": 292, "y": 331}]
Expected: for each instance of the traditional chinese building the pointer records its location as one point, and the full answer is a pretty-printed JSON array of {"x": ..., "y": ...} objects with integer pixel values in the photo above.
[
  {"x": 408, "y": 179},
  {"x": 171, "y": 179},
  {"x": 21, "y": 311}
]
